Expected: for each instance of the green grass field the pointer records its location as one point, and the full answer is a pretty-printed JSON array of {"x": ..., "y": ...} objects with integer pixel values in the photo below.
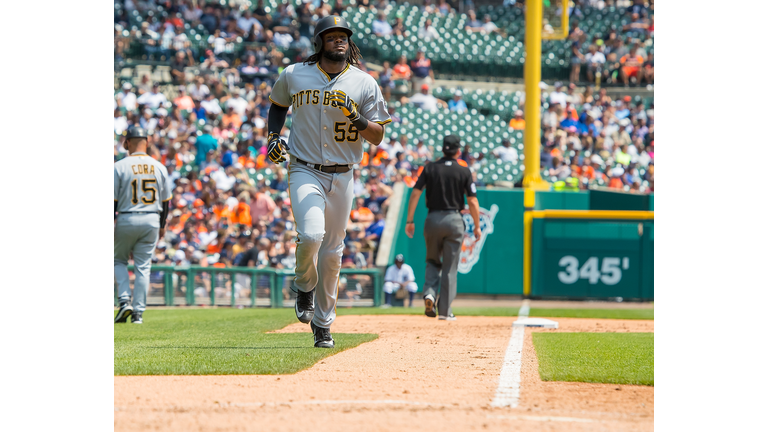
[
  {"x": 219, "y": 341},
  {"x": 233, "y": 341},
  {"x": 614, "y": 358},
  {"x": 640, "y": 314}
]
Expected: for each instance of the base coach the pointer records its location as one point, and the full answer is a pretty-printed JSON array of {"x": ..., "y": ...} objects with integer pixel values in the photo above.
[{"x": 447, "y": 183}]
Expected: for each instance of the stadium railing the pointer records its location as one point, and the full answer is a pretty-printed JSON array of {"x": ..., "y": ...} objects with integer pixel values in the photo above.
[{"x": 249, "y": 287}]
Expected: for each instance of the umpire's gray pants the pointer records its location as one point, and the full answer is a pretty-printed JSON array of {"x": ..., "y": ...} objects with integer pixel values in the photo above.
[
  {"x": 135, "y": 233},
  {"x": 443, "y": 233}
]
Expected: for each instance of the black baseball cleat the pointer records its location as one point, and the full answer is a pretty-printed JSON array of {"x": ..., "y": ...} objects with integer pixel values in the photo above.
[
  {"x": 323, "y": 337},
  {"x": 305, "y": 306},
  {"x": 136, "y": 318},
  {"x": 429, "y": 306},
  {"x": 123, "y": 313}
]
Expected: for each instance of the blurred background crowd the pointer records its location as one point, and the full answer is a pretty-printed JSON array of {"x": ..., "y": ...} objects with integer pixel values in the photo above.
[{"x": 200, "y": 74}]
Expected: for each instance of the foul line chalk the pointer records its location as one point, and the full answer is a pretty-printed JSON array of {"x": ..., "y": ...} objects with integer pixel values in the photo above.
[{"x": 508, "y": 391}]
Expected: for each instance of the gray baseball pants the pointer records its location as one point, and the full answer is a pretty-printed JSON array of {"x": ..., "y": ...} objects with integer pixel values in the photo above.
[
  {"x": 135, "y": 233},
  {"x": 321, "y": 203},
  {"x": 443, "y": 233}
]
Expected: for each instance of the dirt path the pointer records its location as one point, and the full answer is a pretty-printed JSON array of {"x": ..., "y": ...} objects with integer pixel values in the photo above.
[{"x": 419, "y": 372}]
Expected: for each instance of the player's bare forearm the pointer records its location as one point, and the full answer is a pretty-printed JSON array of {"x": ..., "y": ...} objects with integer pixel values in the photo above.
[
  {"x": 474, "y": 210},
  {"x": 374, "y": 133},
  {"x": 413, "y": 202}
]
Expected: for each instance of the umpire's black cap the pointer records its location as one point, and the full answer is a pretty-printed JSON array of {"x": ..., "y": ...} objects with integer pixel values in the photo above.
[
  {"x": 135, "y": 132},
  {"x": 332, "y": 22},
  {"x": 451, "y": 143}
]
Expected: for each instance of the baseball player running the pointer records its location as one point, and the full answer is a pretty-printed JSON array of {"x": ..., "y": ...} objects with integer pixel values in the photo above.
[
  {"x": 335, "y": 106},
  {"x": 142, "y": 193}
]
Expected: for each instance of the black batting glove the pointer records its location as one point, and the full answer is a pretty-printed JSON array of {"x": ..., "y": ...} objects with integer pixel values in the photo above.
[
  {"x": 276, "y": 148},
  {"x": 340, "y": 100}
]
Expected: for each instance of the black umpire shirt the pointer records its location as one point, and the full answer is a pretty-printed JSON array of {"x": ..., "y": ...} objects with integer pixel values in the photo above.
[{"x": 447, "y": 182}]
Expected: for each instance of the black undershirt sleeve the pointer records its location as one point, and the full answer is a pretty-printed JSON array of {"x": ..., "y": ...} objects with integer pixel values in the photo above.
[
  {"x": 163, "y": 213},
  {"x": 276, "y": 118},
  {"x": 115, "y": 209}
]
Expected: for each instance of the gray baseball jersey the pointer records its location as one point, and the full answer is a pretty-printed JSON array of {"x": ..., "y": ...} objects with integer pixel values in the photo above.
[
  {"x": 141, "y": 185},
  {"x": 320, "y": 133}
]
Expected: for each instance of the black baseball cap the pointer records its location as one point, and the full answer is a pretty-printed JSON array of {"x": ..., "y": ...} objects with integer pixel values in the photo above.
[{"x": 451, "y": 143}]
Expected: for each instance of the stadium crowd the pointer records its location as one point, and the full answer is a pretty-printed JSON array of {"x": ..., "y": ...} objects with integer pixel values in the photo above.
[{"x": 231, "y": 206}]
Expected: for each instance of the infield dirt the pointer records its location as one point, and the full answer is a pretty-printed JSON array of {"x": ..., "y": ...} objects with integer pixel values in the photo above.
[{"x": 420, "y": 373}]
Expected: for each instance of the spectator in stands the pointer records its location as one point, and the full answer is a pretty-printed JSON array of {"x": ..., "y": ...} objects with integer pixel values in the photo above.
[
  {"x": 398, "y": 29},
  {"x": 231, "y": 120},
  {"x": 211, "y": 105},
  {"x": 577, "y": 58},
  {"x": 647, "y": 69},
  {"x": 421, "y": 152},
  {"x": 428, "y": 33},
  {"x": 595, "y": 61},
  {"x": 506, "y": 153},
  {"x": 380, "y": 26},
  {"x": 559, "y": 170},
  {"x": 488, "y": 26},
  {"x": 558, "y": 96},
  {"x": 208, "y": 19},
  {"x": 457, "y": 104},
  {"x": 374, "y": 231},
  {"x": 351, "y": 256},
  {"x": 126, "y": 98},
  {"x": 550, "y": 118},
  {"x": 473, "y": 24},
  {"x": 206, "y": 142},
  {"x": 120, "y": 122},
  {"x": 518, "y": 122},
  {"x": 238, "y": 103},
  {"x": 183, "y": 101},
  {"x": 153, "y": 99},
  {"x": 402, "y": 71},
  {"x": 386, "y": 81},
  {"x": 250, "y": 69},
  {"x": 444, "y": 8},
  {"x": 212, "y": 62},
  {"x": 422, "y": 70},
  {"x": 262, "y": 204},
  {"x": 198, "y": 90},
  {"x": 631, "y": 67},
  {"x": 247, "y": 21},
  {"x": 425, "y": 100}
]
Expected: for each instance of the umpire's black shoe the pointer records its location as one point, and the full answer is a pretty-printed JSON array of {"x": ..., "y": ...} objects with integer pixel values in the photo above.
[
  {"x": 136, "y": 318},
  {"x": 429, "y": 306},
  {"x": 123, "y": 313},
  {"x": 305, "y": 305},
  {"x": 323, "y": 337}
]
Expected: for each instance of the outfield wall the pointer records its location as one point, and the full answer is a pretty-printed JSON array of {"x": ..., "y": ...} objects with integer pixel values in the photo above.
[{"x": 495, "y": 266}]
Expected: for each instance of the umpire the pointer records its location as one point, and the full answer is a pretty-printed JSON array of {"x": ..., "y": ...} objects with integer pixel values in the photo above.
[{"x": 447, "y": 181}]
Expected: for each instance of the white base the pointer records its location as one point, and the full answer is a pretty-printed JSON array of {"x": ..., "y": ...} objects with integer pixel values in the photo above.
[{"x": 535, "y": 322}]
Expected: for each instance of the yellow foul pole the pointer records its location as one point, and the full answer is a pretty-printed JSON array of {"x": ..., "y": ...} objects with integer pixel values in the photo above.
[{"x": 532, "y": 139}]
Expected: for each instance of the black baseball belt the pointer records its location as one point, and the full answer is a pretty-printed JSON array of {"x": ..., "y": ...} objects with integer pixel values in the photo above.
[
  {"x": 139, "y": 212},
  {"x": 339, "y": 169}
]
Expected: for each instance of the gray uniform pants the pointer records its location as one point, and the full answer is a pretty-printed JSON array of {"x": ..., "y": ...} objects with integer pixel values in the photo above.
[
  {"x": 443, "y": 233},
  {"x": 135, "y": 233},
  {"x": 321, "y": 203}
]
